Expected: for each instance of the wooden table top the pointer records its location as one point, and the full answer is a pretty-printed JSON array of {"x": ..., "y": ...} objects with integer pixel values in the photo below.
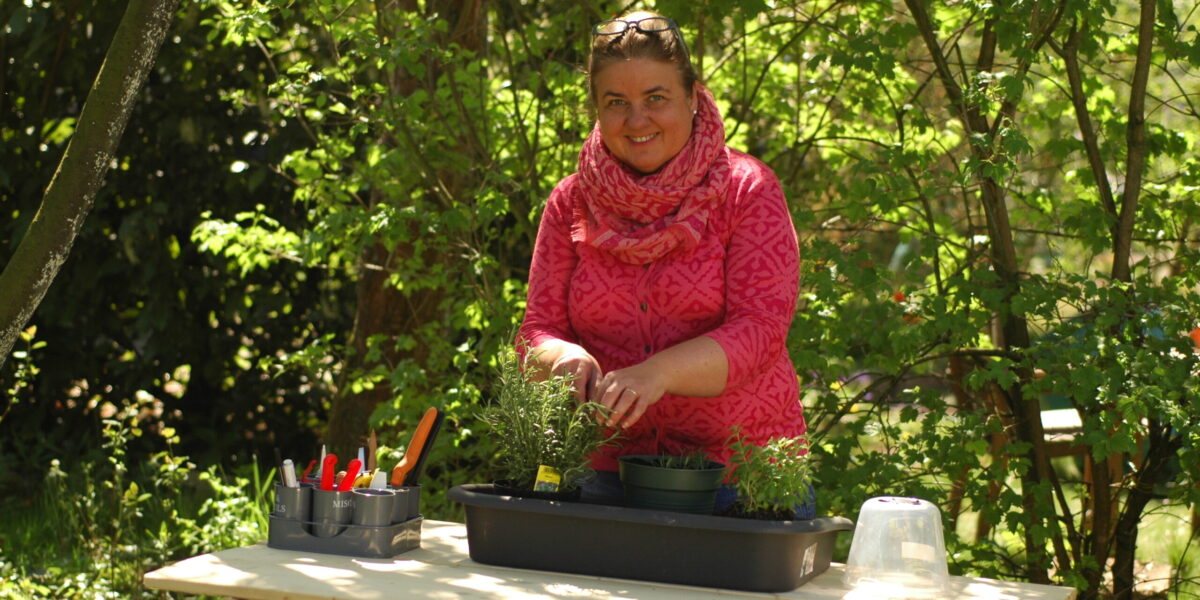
[{"x": 441, "y": 569}]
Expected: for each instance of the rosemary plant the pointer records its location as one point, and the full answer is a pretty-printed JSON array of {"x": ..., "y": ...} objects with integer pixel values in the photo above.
[{"x": 538, "y": 423}]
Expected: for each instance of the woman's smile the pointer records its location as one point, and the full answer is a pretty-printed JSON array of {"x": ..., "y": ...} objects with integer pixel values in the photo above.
[{"x": 645, "y": 112}]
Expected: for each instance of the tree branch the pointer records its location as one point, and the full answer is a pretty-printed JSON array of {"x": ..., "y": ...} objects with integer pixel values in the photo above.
[
  {"x": 975, "y": 122},
  {"x": 1009, "y": 107},
  {"x": 1070, "y": 55},
  {"x": 1135, "y": 138}
]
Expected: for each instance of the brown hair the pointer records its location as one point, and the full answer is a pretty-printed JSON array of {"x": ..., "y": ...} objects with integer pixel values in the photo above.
[{"x": 664, "y": 46}]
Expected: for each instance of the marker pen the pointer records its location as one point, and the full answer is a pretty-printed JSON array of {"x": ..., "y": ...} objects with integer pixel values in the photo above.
[{"x": 289, "y": 474}]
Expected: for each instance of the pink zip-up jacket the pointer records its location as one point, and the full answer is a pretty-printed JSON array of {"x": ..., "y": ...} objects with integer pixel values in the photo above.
[{"x": 738, "y": 287}]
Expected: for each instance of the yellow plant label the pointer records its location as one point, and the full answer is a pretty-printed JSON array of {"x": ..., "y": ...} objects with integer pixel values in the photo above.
[{"x": 548, "y": 479}]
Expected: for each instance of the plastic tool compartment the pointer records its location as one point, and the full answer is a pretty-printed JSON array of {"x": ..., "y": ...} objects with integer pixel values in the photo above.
[
  {"x": 651, "y": 545},
  {"x": 355, "y": 540},
  {"x": 295, "y": 525}
]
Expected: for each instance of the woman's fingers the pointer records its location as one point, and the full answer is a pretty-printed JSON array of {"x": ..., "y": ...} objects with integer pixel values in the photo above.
[
  {"x": 582, "y": 381},
  {"x": 634, "y": 413},
  {"x": 625, "y": 404},
  {"x": 593, "y": 387},
  {"x": 583, "y": 370},
  {"x": 625, "y": 399}
]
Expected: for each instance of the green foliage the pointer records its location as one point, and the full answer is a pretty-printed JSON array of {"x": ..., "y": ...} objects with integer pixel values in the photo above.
[
  {"x": 95, "y": 528},
  {"x": 137, "y": 310},
  {"x": 772, "y": 478},
  {"x": 540, "y": 422},
  {"x": 424, "y": 159},
  {"x": 220, "y": 295},
  {"x": 886, "y": 184},
  {"x": 692, "y": 460}
]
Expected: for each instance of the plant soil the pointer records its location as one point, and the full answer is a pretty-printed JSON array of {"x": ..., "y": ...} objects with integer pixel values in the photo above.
[{"x": 738, "y": 511}]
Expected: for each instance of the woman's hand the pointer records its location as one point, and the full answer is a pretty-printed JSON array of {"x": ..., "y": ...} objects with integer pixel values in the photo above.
[
  {"x": 697, "y": 367},
  {"x": 627, "y": 393},
  {"x": 575, "y": 362}
]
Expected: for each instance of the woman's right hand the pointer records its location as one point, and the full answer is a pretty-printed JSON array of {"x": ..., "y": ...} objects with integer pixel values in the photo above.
[{"x": 575, "y": 362}]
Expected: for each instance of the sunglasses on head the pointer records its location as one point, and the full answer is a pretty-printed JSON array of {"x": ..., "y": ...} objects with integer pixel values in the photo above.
[{"x": 646, "y": 25}]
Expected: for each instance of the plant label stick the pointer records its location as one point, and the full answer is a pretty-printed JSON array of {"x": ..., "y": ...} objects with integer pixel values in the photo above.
[{"x": 379, "y": 481}]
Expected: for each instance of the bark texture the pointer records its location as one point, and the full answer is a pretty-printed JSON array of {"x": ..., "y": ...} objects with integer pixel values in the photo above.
[{"x": 72, "y": 190}]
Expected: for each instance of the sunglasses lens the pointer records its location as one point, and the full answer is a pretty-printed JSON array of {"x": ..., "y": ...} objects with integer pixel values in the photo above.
[
  {"x": 611, "y": 27},
  {"x": 654, "y": 24}
]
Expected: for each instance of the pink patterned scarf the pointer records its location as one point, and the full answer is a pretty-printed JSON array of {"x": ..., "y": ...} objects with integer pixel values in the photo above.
[{"x": 642, "y": 218}]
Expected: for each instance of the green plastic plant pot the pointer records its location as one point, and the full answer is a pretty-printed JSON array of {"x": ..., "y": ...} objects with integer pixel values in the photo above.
[{"x": 648, "y": 485}]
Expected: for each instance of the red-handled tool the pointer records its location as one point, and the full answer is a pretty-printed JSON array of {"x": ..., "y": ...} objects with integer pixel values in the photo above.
[
  {"x": 351, "y": 474},
  {"x": 414, "y": 447},
  {"x": 311, "y": 464},
  {"x": 328, "y": 470}
]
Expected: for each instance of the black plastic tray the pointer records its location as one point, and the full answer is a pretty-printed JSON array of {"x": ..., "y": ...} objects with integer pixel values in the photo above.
[{"x": 651, "y": 545}]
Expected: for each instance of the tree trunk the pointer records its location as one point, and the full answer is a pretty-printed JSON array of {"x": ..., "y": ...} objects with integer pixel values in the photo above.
[
  {"x": 1124, "y": 532},
  {"x": 1161, "y": 447},
  {"x": 1014, "y": 336},
  {"x": 381, "y": 309},
  {"x": 1013, "y": 330},
  {"x": 72, "y": 190},
  {"x": 1136, "y": 146}
]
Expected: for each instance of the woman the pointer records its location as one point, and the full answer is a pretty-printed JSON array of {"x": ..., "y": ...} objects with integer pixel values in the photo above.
[{"x": 665, "y": 272}]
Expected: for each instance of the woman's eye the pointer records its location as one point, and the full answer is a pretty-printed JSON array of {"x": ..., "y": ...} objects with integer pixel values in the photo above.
[{"x": 656, "y": 98}]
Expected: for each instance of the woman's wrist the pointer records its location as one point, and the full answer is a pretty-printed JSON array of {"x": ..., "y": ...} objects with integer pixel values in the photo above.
[
  {"x": 697, "y": 367},
  {"x": 548, "y": 356}
]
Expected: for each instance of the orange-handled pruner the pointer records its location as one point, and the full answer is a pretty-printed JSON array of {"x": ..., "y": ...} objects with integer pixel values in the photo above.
[
  {"x": 414, "y": 473},
  {"x": 414, "y": 447}
]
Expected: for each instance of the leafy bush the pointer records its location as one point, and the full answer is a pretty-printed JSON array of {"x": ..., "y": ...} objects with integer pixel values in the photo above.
[
  {"x": 966, "y": 256},
  {"x": 98, "y": 526}
]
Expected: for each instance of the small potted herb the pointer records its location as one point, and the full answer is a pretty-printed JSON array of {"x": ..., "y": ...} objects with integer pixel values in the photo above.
[
  {"x": 545, "y": 436},
  {"x": 684, "y": 483},
  {"x": 771, "y": 480}
]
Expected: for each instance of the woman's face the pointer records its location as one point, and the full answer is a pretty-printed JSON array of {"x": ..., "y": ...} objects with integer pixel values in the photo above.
[{"x": 645, "y": 113}]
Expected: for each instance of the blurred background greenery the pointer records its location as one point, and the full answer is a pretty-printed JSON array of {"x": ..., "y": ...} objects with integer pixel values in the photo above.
[{"x": 320, "y": 218}]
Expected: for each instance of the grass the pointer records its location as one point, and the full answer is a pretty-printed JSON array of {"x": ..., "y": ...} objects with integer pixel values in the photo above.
[
  {"x": 93, "y": 530},
  {"x": 1169, "y": 546}
]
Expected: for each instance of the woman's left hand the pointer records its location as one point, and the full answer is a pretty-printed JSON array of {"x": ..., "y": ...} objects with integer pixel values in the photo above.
[{"x": 627, "y": 393}]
